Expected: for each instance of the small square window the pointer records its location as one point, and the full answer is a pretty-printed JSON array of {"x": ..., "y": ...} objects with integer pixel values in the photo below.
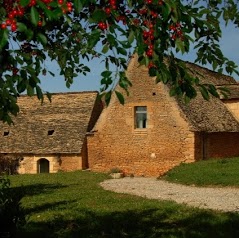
[
  {"x": 140, "y": 117},
  {"x": 50, "y": 132},
  {"x": 6, "y": 133}
]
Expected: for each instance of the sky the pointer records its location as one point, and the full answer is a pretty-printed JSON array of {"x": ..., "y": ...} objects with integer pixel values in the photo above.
[{"x": 91, "y": 82}]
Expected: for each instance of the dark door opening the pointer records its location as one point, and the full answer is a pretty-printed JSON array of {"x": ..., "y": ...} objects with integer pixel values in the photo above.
[{"x": 43, "y": 166}]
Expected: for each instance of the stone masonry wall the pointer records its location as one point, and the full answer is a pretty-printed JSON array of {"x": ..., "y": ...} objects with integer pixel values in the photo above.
[
  {"x": 165, "y": 143},
  {"x": 29, "y": 163},
  {"x": 69, "y": 162},
  {"x": 233, "y": 106},
  {"x": 222, "y": 145}
]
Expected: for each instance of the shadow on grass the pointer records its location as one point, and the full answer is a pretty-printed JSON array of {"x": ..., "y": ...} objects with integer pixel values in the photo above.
[
  {"x": 39, "y": 188},
  {"x": 149, "y": 223},
  {"x": 48, "y": 206}
]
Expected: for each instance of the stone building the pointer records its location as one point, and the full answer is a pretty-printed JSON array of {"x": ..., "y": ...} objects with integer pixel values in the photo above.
[
  {"x": 52, "y": 136},
  {"x": 149, "y": 135},
  {"x": 154, "y": 132}
]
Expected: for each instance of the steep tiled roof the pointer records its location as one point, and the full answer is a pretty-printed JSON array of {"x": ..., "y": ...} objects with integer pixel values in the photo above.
[
  {"x": 212, "y": 115},
  {"x": 233, "y": 91},
  {"x": 203, "y": 115},
  {"x": 56, "y": 127}
]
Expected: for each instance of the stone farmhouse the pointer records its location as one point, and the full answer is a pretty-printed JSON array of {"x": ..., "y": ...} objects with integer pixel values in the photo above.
[
  {"x": 51, "y": 136},
  {"x": 148, "y": 136}
]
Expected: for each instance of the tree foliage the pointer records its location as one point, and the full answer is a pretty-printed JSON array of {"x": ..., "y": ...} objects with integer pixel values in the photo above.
[{"x": 68, "y": 31}]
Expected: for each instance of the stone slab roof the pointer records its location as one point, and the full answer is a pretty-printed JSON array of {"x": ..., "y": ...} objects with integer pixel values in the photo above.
[
  {"x": 202, "y": 115},
  {"x": 233, "y": 91},
  {"x": 212, "y": 115},
  {"x": 56, "y": 127}
]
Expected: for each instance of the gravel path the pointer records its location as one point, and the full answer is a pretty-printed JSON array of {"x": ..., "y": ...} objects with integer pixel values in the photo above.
[{"x": 223, "y": 199}]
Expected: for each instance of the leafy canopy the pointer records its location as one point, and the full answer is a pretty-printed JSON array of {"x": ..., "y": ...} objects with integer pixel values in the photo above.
[{"x": 68, "y": 31}]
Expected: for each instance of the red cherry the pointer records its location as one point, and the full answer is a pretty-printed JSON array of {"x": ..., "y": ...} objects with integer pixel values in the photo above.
[
  {"x": 149, "y": 52},
  {"x": 32, "y": 3},
  {"x": 20, "y": 12},
  {"x": 14, "y": 27},
  {"x": 102, "y": 25},
  {"x": 39, "y": 23},
  {"x": 11, "y": 15},
  {"x": 3, "y": 25},
  {"x": 15, "y": 71},
  {"x": 107, "y": 10},
  {"x": 8, "y": 22},
  {"x": 151, "y": 65}
]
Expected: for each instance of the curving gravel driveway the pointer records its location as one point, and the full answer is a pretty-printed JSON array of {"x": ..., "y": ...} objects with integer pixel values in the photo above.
[{"x": 223, "y": 199}]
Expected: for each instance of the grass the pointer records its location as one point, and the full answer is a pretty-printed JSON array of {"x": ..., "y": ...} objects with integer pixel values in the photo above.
[
  {"x": 223, "y": 172},
  {"x": 74, "y": 205}
]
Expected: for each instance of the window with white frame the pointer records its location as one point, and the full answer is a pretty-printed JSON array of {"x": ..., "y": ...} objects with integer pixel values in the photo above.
[{"x": 140, "y": 117}]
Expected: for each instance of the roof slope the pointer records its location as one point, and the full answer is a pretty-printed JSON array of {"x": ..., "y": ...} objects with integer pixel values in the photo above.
[
  {"x": 67, "y": 118},
  {"x": 203, "y": 115},
  {"x": 212, "y": 115},
  {"x": 233, "y": 91}
]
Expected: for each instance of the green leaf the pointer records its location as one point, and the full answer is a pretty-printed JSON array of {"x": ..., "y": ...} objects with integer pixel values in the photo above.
[
  {"x": 94, "y": 38},
  {"x": 21, "y": 27},
  {"x": 173, "y": 92},
  {"x": 97, "y": 16},
  {"x": 30, "y": 90},
  {"x": 105, "y": 49},
  {"x": 106, "y": 74},
  {"x": 212, "y": 89},
  {"x": 131, "y": 37},
  {"x": 78, "y": 5},
  {"x": 48, "y": 96},
  {"x": 111, "y": 40},
  {"x": 121, "y": 51},
  {"x": 39, "y": 93},
  {"x": 42, "y": 38},
  {"x": 108, "y": 97},
  {"x": 24, "y": 3},
  {"x": 34, "y": 16},
  {"x": 152, "y": 71},
  {"x": 180, "y": 45},
  {"x": 3, "y": 38},
  {"x": 166, "y": 9},
  {"x": 29, "y": 33},
  {"x": 120, "y": 97},
  {"x": 204, "y": 92},
  {"x": 21, "y": 86}
]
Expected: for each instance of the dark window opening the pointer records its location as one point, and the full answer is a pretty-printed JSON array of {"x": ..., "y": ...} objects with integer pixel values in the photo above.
[
  {"x": 51, "y": 132},
  {"x": 140, "y": 117},
  {"x": 6, "y": 133},
  {"x": 154, "y": 94}
]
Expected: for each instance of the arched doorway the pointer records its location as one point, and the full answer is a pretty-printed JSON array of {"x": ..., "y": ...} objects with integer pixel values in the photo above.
[{"x": 43, "y": 166}]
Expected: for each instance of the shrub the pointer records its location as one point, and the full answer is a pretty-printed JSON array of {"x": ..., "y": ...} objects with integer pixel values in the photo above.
[
  {"x": 115, "y": 170},
  {"x": 11, "y": 213},
  {"x": 9, "y": 164}
]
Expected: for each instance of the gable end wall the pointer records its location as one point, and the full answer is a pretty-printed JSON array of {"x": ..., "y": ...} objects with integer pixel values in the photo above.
[{"x": 165, "y": 143}]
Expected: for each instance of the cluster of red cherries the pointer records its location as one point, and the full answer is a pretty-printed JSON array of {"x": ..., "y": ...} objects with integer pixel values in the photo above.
[
  {"x": 147, "y": 17},
  {"x": 112, "y": 5},
  {"x": 15, "y": 11},
  {"x": 176, "y": 31}
]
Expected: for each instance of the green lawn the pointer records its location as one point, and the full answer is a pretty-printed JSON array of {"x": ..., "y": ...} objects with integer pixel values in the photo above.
[
  {"x": 223, "y": 172},
  {"x": 74, "y": 205}
]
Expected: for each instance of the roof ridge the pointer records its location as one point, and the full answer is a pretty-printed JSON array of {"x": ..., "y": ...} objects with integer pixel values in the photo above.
[{"x": 62, "y": 93}]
